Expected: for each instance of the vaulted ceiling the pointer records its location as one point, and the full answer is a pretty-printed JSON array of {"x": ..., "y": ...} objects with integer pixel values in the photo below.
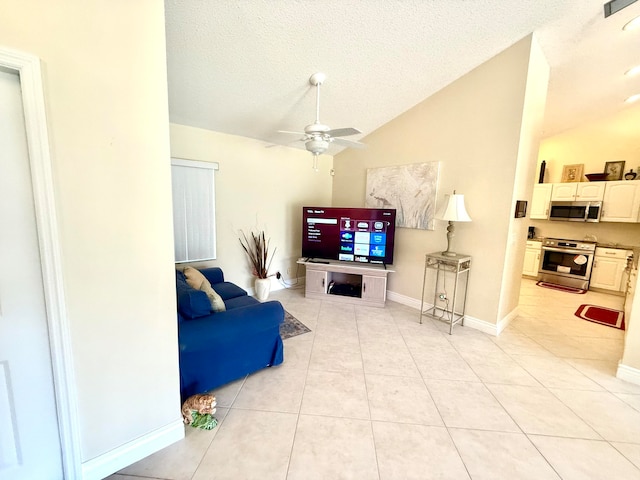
[{"x": 242, "y": 66}]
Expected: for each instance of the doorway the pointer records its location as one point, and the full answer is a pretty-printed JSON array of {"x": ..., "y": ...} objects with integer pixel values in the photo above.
[{"x": 39, "y": 436}]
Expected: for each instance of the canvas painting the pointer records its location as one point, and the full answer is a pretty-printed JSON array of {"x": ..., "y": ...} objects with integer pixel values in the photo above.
[{"x": 410, "y": 189}]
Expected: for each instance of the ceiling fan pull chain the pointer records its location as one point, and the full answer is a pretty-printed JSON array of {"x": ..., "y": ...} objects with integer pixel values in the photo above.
[{"x": 315, "y": 162}]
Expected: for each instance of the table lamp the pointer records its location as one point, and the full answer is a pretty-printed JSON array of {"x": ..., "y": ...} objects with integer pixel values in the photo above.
[{"x": 454, "y": 211}]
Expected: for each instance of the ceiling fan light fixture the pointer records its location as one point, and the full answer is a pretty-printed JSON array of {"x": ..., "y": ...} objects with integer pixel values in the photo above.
[
  {"x": 632, "y": 25},
  {"x": 317, "y": 145}
]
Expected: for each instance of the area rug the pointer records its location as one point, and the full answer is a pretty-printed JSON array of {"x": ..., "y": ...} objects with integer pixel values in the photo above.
[
  {"x": 561, "y": 288},
  {"x": 292, "y": 326},
  {"x": 602, "y": 315}
]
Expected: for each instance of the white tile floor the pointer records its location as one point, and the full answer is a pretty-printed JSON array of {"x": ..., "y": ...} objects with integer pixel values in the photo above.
[{"x": 372, "y": 394}]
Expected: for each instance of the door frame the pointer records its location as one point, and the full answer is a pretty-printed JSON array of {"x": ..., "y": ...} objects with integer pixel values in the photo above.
[{"x": 28, "y": 68}]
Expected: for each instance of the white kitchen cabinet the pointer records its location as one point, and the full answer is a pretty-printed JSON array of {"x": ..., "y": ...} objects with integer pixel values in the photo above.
[
  {"x": 621, "y": 202},
  {"x": 590, "y": 191},
  {"x": 578, "y": 191},
  {"x": 540, "y": 201},
  {"x": 608, "y": 271},
  {"x": 564, "y": 192},
  {"x": 532, "y": 258}
]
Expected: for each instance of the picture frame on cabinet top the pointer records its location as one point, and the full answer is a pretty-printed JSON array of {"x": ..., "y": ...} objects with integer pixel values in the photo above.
[
  {"x": 572, "y": 173},
  {"x": 615, "y": 170}
]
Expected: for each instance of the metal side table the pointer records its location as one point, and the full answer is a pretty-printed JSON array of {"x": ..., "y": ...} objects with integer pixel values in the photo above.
[{"x": 457, "y": 266}]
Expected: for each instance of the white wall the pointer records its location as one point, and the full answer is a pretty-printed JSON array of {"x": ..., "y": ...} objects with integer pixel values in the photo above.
[
  {"x": 256, "y": 187},
  {"x": 472, "y": 127},
  {"x": 535, "y": 99},
  {"x": 105, "y": 87},
  {"x": 611, "y": 138}
]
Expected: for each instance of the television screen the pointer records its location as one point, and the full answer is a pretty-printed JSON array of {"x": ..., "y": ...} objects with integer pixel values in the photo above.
[{"x": 364, "y": 235}]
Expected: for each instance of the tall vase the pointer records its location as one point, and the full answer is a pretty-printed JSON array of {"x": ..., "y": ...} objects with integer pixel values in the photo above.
[{"x": 262, "y": 287}]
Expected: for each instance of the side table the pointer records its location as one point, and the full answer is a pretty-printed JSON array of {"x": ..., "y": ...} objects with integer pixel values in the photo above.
[{"x": 457, "y": 266}]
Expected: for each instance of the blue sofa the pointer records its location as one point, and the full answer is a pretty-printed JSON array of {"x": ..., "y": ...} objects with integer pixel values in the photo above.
[{"x": 219, "y": 347}]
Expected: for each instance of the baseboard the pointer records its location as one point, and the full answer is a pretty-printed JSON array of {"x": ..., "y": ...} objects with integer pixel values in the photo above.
[
  {"x": 502, "y": 324},
  {"x": 469, "y": 321},
  {"x": 628, "y": 374},
  {"x": 277, "y": 285},
  {"x": 403, "y": 299},
  {"x": 482, "y": 325},
  {"x": 124, "y": 455}
]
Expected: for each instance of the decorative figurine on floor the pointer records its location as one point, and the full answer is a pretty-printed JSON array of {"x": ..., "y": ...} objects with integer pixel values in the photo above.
[{"x": 198, "y": 411}]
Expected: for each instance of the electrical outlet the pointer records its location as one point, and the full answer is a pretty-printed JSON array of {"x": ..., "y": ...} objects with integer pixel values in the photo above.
[{"x": 288, "y": 270}]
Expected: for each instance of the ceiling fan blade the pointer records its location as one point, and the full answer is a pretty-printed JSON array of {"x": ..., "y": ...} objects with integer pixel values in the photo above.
[
  {"x": 292, "y": 133},
  {"x": 348, "y": 143},
  {"x": 343, "y": 132}
]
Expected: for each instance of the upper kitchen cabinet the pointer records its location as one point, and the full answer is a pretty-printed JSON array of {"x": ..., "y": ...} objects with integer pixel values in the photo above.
[
  {"x": 582, "y": 191},
  {"x": 540, "y": 201},
  {"x": 621, "y": 202},
  {"x": 564, "y": 192},
  {"x": 590, "y": 191}
]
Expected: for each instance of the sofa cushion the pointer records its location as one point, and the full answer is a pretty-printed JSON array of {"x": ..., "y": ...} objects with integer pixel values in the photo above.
[
  {"x": 228, "y": 290},
  {"x": 192, "y": 303},
  {"x": 241, "y": 301}
]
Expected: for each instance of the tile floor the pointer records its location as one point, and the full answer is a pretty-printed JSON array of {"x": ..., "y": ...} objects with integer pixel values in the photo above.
[{"x": 372, "y": 394}]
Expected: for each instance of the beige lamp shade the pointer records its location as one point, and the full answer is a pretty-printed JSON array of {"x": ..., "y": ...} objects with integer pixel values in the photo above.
[{"x": 454, "y": 209}]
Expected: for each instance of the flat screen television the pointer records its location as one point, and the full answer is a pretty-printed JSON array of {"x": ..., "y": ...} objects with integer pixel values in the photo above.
[{"x": 364, "y": 235}]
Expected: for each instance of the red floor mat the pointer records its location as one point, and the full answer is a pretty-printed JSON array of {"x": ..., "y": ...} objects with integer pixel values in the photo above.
[
  {"x": 602, "y": 315},
  {"x": 562, "y": 288}
]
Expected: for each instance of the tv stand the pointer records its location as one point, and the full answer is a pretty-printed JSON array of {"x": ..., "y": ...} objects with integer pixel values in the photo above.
[
  {"x": 357, "y": 284},
  {"x": 314, "y": 260}
]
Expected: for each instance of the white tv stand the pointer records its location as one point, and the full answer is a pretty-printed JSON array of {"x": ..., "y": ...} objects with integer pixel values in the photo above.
[{"x": 357, "y": 284}]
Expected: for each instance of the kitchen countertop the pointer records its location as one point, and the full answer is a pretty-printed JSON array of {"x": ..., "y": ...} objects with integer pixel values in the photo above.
[{"x": 618, "y": 245}]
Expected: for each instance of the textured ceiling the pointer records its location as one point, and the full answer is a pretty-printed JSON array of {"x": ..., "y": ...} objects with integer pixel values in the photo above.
[{"x": 242, "y": 66}]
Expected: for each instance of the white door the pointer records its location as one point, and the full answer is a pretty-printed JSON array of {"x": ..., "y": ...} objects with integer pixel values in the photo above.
[{"x": 29, "y": 436}]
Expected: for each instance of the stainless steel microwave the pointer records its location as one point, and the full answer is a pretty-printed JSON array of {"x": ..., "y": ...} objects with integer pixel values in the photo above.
[{"x": 575, "y": 211}]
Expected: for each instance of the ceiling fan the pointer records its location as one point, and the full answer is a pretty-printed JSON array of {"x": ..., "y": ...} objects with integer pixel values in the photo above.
[{"x": 317, "y": 137}]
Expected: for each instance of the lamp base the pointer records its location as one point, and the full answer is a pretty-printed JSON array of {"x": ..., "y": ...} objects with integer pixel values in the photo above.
[{"x": 450, "y": 234}]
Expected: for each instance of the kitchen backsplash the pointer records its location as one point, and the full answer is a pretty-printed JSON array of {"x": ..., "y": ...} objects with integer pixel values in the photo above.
[{"x": 605, "y": 232}]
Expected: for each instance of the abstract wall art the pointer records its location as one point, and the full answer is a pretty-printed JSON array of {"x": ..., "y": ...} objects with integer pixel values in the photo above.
[{"x": 410, "y": 189}]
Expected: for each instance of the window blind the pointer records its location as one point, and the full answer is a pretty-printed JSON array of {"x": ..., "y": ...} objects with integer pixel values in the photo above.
[{"x": 194, "y": 225}]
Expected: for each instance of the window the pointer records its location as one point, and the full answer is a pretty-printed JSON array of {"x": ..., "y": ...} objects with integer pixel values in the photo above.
[{"x": 194, "y": 219}]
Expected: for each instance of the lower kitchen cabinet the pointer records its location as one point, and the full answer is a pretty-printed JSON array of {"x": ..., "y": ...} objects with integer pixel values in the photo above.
[
  {"x": 608, "y": 271},
  {"x": 531, "y": 258}
]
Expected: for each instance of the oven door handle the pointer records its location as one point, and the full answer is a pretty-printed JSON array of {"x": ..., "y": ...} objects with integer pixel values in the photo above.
[{"x": 568, "y": 250}]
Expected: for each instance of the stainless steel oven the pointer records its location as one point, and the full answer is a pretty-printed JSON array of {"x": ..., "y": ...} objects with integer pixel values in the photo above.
[{"x": 566, "y": 262}]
